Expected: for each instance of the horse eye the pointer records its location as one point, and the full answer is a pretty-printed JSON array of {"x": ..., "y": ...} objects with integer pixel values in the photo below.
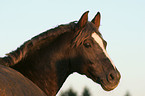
[{"x": 87, "y": 45}]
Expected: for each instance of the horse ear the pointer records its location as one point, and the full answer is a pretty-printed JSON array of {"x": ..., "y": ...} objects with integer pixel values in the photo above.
[
  {"x": 83, "y": 20},
  {"x": 97, "y": 19}
]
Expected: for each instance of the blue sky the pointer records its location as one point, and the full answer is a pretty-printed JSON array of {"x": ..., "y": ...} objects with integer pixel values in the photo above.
[{"x": 122, "y": 26}]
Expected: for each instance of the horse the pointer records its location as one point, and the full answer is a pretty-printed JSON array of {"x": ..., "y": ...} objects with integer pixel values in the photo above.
[
  {"x": 12, "y": 83},
  {"x": 50, "y": 57}
]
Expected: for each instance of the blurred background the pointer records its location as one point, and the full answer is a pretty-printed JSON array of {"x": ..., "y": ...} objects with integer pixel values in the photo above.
[{"x": 122, "y": 26}]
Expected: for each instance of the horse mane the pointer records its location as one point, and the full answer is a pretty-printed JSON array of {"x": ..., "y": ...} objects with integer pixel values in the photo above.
[{"x": 17, "y": 55}]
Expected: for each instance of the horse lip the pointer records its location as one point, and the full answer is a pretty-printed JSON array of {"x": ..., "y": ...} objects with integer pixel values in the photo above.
[{"x": 108, "y": 86}]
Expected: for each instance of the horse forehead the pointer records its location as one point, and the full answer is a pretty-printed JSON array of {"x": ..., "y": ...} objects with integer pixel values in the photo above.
[{"x": 98, "y": 39}]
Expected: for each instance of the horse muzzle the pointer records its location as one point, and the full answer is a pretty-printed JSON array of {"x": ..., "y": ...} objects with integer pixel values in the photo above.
[{"x": 111, "y": 81}]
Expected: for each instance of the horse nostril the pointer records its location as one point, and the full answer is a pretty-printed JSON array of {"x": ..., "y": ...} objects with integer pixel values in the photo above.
[{"x": 111, "y": 77}]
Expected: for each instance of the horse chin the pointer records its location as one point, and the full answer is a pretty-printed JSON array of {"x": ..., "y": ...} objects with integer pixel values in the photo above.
[{"x": 108, "y": 86}]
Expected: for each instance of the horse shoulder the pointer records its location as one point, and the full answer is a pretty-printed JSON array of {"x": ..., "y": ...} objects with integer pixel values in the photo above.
[{"x": 12, "y": 83}]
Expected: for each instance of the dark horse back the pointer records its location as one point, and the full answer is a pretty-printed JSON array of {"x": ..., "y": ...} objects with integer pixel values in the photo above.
[{"x": 12, "y": 83}]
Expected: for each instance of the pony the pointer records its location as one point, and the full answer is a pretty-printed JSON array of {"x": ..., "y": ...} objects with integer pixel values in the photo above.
[{"x": 50, "y": 57}]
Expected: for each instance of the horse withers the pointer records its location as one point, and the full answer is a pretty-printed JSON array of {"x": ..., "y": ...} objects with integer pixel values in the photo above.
[{"x": 49, "y": 58}]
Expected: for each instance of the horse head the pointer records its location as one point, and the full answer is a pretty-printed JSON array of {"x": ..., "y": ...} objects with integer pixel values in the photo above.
[{"x": 89, "y": 54}]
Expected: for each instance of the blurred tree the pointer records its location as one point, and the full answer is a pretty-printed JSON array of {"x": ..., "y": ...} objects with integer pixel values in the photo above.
[
  {"x": 70, "y": 92},
  {"x": 86, "y": 92},
  {"x": 127, "y": 93}
]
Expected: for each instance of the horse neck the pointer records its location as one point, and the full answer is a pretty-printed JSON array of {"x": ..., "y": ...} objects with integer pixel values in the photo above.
[{"x": 48, "y": 68}]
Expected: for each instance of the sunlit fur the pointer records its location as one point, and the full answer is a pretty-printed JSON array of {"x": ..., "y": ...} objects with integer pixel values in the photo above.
[{"x": 49, "y": 58}]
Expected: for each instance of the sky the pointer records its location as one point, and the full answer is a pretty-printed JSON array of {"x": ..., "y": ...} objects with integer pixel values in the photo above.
[{"x": 122, "y": 26}]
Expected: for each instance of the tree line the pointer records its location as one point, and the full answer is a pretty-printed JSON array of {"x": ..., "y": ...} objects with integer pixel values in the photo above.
[
  {"x": 71, "y": 92},
  {"x": 86, "y": 92}
]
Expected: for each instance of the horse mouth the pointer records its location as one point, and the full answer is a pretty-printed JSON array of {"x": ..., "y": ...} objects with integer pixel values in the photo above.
[
  {"x": 109, "y": 86},
  {"x": 105, "y": 84}
]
